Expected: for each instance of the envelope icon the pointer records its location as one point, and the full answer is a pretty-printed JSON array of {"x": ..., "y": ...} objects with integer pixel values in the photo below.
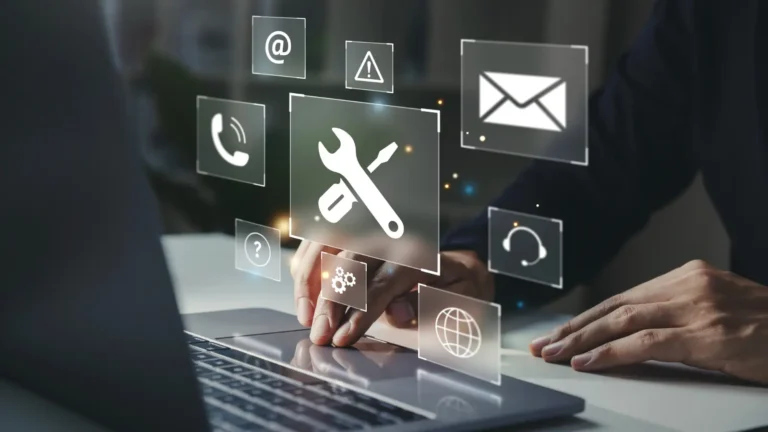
[{"x": 528, "y": 101}]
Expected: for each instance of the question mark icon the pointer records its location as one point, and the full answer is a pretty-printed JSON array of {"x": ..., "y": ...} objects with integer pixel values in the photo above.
[{"x": 258, "y": 248}]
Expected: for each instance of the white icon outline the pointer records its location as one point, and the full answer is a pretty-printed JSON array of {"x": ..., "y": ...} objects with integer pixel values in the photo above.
[
  {"x": 253, "y": 63},
  {"x": 369, "y": 57},
  {"x": 525, "y": 101},
  {"x": 284, "y": 53},
  {"x": 464, "y": 132},
  {"x": 351, "y": 86},
  {"x": 437, "y": 114},
  {"x": 243, "y": 263},
  {"x": 268, "y": 247},
  {"x": 236, "y": 158},
  {"x": 263, "y": 140},
  {"x": 559, "y": 284},
  {"x": 342, "y": 281},
  {"x": 344, "y": 162},
  {"x": 542, "y": 251},
  {"x": 442, "y": 333},
  {"x": 338, "y": 285}
]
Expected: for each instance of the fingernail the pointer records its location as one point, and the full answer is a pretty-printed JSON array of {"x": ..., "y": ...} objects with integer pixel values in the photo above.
[
  {"x": 552, "y": 350},
  {"x": 341, "y": 333},
  {"x": 402, "y": 312},
  {"x": 321, "y": 327},
  {"x": 539, "y": 343},
  {"x": 305, "y": 311},
  {"x": 581, "y": 360}
]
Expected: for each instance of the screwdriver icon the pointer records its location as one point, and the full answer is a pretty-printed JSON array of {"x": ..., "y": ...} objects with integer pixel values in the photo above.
[{"x": 337, "y": 201}]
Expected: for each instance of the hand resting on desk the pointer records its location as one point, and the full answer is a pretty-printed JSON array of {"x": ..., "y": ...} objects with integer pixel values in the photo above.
[{"x": 696, "y": 314}]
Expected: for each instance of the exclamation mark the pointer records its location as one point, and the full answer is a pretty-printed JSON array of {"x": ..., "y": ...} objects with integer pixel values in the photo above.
[{"x": 369, "y": 68}]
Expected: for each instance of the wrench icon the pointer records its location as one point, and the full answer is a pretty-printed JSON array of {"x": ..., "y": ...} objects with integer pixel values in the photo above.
[{"x": 344, "y": 162}]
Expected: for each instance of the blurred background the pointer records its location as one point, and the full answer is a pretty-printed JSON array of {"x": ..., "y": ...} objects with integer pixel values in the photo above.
[{"x": 170, "y": 51}]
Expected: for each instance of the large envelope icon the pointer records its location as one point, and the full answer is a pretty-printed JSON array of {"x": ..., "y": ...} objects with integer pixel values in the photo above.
[{"x": 529, "y": 101}]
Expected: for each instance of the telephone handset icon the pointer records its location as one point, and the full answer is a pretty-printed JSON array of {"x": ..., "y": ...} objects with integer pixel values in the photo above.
[{"x": 237, "y": 158}]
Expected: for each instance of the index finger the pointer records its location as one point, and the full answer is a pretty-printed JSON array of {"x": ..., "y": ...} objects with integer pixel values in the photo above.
[
  {"x": 385, "y": 285},
  {"x": 306, "y": 281}
]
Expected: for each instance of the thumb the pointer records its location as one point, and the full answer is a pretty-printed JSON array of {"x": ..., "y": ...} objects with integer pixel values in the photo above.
[{"x": 402, "y": 312}]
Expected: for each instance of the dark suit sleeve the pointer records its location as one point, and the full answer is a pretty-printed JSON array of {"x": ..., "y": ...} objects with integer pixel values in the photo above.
[{"x": 640, "y": 158}]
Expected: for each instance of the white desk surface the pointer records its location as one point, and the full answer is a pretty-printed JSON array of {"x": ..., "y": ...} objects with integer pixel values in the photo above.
[{"x": 649, "y": 397}]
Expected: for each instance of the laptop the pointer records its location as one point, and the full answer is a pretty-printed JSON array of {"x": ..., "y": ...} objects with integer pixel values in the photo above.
[{"x": 88, "y": 317}]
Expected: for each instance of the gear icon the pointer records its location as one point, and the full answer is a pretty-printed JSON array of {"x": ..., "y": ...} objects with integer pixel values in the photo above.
[
  {"x": 339, "y": 272},
  {"x": 338, "y": 284},
  {"x": 349, "y": 279}
]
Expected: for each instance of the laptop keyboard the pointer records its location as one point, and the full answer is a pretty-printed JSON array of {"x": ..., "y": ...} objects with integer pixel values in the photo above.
[{"x": 245, "y": 393}]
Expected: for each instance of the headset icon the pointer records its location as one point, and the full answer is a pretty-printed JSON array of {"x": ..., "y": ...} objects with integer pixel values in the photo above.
[{"x": 542, "y": 249}]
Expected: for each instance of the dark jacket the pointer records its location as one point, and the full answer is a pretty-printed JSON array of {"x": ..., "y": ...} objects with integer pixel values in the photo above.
[{"x": 690, "y": 96}]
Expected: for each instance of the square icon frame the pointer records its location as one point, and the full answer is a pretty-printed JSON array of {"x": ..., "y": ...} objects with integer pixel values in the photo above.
[
  {"x": 583, "y": 107},
  {"x": 495, "y": 376},
  {"x": 253, "y": 60},
  {"x": 263, "y": 155},
  {"x": 325, "y": 286},
  {"x": 377, "y": 106},
  {"x": 276, "y": 268},
  {"x": 559, "y": 284},
  {"x": 349, "y": 86}
]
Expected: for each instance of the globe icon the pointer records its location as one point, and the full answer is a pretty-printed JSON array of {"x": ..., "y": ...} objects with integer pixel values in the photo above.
[{"x": 458, "y": 332}]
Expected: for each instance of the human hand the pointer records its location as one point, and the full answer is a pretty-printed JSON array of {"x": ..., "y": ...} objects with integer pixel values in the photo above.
[
  {"x": 696, "y": 314},
  {"x": 391, "y": 290}
]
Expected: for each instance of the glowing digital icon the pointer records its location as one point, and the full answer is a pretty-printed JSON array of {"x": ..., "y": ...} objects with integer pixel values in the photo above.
[
  {"x": 338, "y": 199},
  {"x": 237, "y": 158},
  {"x": 257, "y": 249},
  {"x": 528, "y": 101},
  {"x": 369, "y": 71},
  {"x": 342, "y": 280},
  {"x": 279, "y": 45},
  {"x": 458, "y": 332},
  {"x": 542, "y": 251}
]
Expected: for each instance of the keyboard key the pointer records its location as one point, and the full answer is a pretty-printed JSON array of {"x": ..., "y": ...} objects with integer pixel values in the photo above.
[
  {"x": 216, "y": 362},
  {"x": 254, "y": 392},
  {"x": 227, "y": 398},
  {"x": 367, "y": 417},
  {"x": 221, "y": 417},
  {"x": 278, "y": 384},
  {"x": 276, "y": 400},
  {"x": 214, "y": 376},
  {"x": 293, "y": 424},
  {"x": 209, "y": 391},
  {"x": 236, "y": 369},
  {"x": 236, "y": 384},
  {"x": 258, "y": 377},
  {"x": 332, "y": 421},
  {"x": 201, "y": 356},
  {"x": 248, "y": 359},
  {"x": 210, "y": 346},
  {"x": 252, "y": 408},
  {"x": 395, "y": 411}
]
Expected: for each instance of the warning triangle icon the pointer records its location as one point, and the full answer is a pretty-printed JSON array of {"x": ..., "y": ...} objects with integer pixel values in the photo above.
[{"x": 369, "y": 70}]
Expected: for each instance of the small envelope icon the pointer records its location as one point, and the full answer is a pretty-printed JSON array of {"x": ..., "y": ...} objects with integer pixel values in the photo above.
[{"x": 529, "y": 101}]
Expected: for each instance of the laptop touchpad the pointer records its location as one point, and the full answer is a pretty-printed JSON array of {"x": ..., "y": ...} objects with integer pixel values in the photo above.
[{"x": 240, "y": 322}]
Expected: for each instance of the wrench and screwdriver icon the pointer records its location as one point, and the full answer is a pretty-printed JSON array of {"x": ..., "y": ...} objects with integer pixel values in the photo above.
[{"x": 338, "y": 199}]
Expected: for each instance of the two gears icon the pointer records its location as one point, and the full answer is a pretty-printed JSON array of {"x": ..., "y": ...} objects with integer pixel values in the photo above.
[{"x": 342, "y": 280}]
